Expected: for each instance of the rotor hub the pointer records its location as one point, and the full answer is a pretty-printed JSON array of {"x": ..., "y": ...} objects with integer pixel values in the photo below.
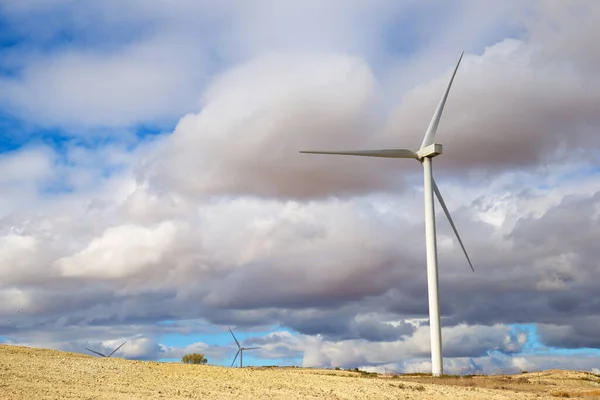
[{"x": 430, "y": 151}]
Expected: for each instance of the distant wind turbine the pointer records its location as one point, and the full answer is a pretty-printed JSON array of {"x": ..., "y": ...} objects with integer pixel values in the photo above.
[
  {"x": 424, "y": 155},
  {"x": 104, "y": 355},
  {"x": 240, "y": 349}
]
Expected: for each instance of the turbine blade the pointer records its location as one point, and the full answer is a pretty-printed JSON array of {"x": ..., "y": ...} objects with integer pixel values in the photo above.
[
  {"x": 113, "y": 352},
  {"x": 238, "y": 343},
  {"x": 387, "y": 153},
  {"x": 252, "y": 348},
  {"x": 93, "y": 351},
  {"x": 429, "y": 137},
  {"x": 235, "y": 358},
  {"x": 443, "y": 204}
]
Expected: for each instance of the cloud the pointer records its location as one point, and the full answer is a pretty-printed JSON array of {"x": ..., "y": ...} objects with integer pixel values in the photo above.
[
  {"x": 223, "y": 222},
  {"x": 144, "y": 82},
  {"x": 130, "y": 63},
  {"x": 498, "y": 363},
  {"x": 120, "y": 252},
  {"x": 509, "y": 109},
  {"x": 22, "y": 173},
  {"x": 273, "y": 111},
  {"x": 580, "y": 332},
  {"x": 459, "y": 341},
  {"x": 256, "y": 119},
  {"x": 111, "y": 64},
  {"x": 117, "y": 63},
  {"x": 307, "y": 267}
]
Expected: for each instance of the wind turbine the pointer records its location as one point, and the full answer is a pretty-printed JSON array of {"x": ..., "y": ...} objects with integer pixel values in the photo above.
[
  {"x": 424, "y": 155},
  {"x": 104, "y": 355},
  {"x": 240, "y": 349}
]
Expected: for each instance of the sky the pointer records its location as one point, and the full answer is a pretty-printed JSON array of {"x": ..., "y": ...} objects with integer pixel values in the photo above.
[{"x": 152, "y": 189}]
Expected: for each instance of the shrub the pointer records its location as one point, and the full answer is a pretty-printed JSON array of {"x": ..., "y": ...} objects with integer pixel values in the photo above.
[
  {"x": 454, "y": 376},
  {"x": 194, "y": 358},
  {"x": 365, "y": 373}
]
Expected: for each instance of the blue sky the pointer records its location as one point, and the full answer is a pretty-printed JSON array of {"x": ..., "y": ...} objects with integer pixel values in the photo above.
[
  {"x": 150, "y": 170},
  {"x": 533, "y": 346},
  {"x": 224, "y": 339}
]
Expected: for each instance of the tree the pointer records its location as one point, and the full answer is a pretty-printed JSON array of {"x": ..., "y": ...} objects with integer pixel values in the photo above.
[{"x": 194, "y": 358}]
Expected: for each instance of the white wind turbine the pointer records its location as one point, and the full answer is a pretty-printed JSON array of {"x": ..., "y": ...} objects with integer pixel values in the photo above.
[
  {"x": 424, "y": 155},
  {"x": 240, "y": 349},
  {"x": 105, "y": 355}
]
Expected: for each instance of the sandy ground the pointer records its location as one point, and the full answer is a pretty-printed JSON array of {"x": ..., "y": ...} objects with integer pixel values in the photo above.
[{"x": 27, "y": 373}]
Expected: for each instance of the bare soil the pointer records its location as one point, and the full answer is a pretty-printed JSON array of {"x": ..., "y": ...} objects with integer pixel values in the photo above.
[{"x": 29, "y": 373}]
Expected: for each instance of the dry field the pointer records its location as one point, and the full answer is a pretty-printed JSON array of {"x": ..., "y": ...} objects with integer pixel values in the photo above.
[{"x": 27, "y": 373}]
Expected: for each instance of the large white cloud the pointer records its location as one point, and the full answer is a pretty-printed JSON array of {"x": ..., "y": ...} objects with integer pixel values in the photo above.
[
  {"x": 258, "y": 116},
  {"x": 120, "y": 252}
]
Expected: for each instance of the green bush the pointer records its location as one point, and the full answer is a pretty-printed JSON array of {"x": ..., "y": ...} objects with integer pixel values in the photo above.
[{"x": 194, "y": 358}]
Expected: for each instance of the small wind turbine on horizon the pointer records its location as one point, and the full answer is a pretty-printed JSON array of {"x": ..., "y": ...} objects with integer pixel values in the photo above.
[
  {"x": 240, "y": 349},
  {"x": 104, "y": 355},
  {"x": 424, "y": 155}
]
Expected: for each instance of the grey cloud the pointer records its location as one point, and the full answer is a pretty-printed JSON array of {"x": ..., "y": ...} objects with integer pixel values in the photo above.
[
  {"x": 505, "y": 113},
  {"x": 460, "y": 341},
  {"x": 258, "y": 117},
  {"x": 374, "y": 330},
  {"x": 497, "y": 363},
  {"x": 581, "y": 332},
  {"x": 505, "y": 280},
  {"x": 496, "y": 293},
  {"x": 129, "y": 62},
  {"x": 552, "y": 23},
  {"x": 523, "y": 103},
  {"x": 549, "y": 267},
  {"x": 347, "y": 323},
  {"x": 575, "y": 216}
]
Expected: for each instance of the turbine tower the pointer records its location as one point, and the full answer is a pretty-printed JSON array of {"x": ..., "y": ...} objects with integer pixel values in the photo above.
[
  {"x": 240, "y": 349},
  {"x": 104, "y": 355},
  {"x": 429, "y": 149}
]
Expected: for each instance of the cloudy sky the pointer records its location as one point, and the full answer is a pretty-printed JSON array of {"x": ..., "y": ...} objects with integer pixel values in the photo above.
[{"x": 152, "y": 189}]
